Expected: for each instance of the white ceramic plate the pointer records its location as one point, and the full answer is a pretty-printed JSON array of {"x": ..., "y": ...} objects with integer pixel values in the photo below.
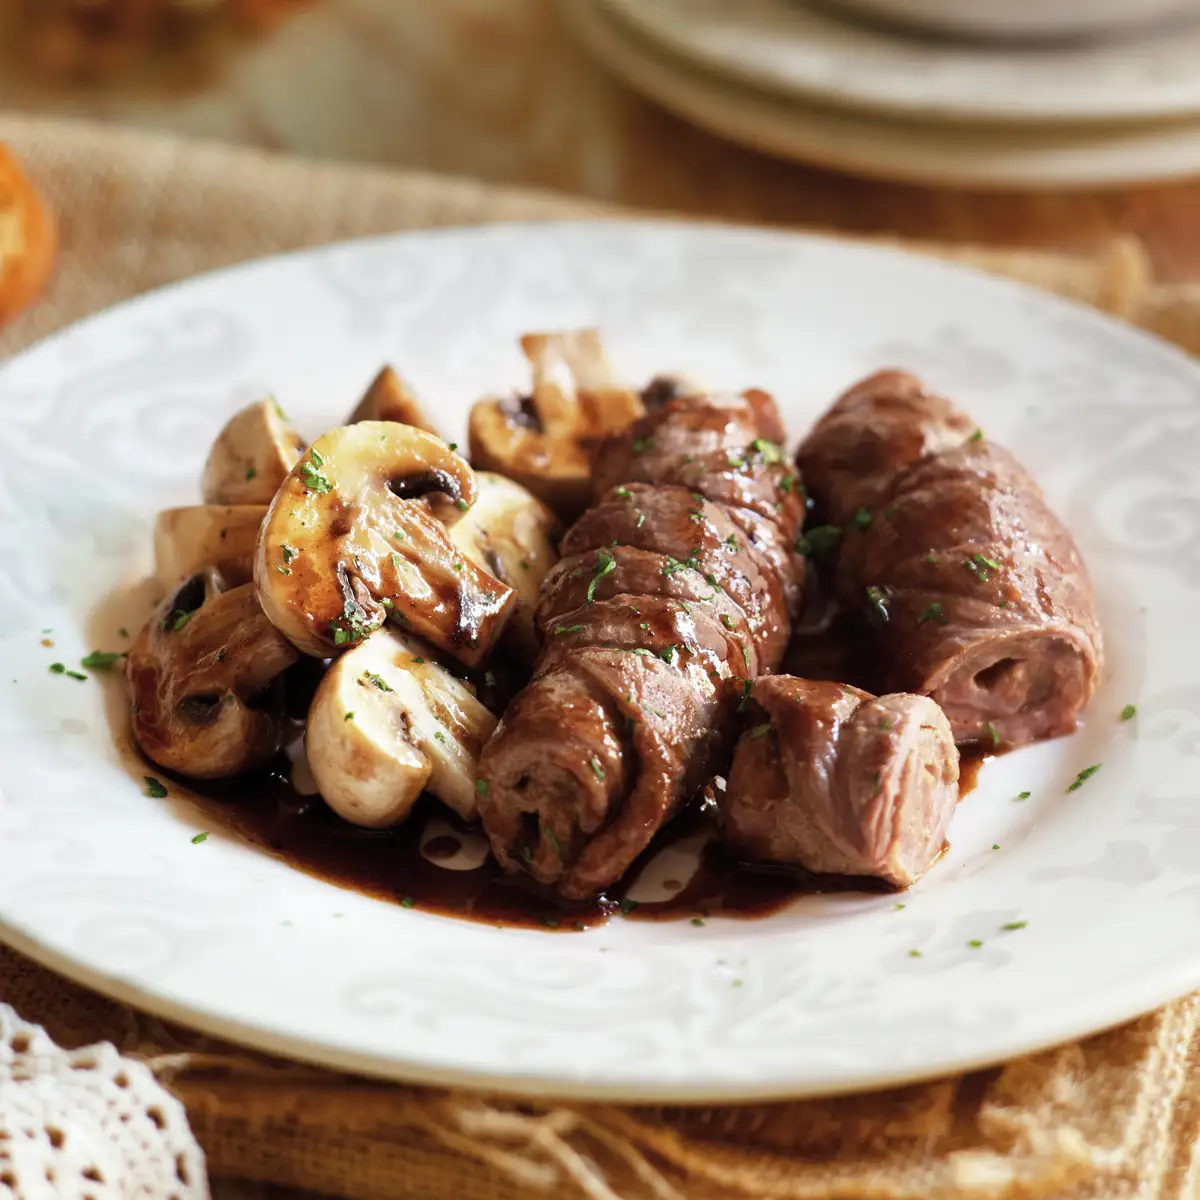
[
  {"x": 110, "y": 421},
  {"x": 812, "y": 54},
  {"x": 862, "y": 144}
]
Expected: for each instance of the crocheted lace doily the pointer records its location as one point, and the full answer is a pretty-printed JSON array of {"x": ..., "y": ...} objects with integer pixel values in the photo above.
[{"x": 88, "y": 1125}]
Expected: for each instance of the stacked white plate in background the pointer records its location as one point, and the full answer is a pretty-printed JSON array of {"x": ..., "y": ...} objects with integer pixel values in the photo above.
[{"x": 825, "y": 86}]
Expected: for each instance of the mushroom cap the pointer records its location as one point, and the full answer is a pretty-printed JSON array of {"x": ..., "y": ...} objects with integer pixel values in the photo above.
[
  {"x": 222, "y": 536},
  {"x": 201, "y": 674},
  {"x": 352, "y": 537},
  {"x": 389, "y": 721},
  {"x": 389, "y": 398},
  {"x": 543, "y": 442},
  {"x": 251, "y": 456},
  {"x": 512, "y": 535}
]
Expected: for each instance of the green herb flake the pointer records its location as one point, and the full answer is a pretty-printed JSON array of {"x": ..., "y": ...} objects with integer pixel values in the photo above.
[
  {"x": 200, "y": 837},
  {"x": 641, "y": 519},
  {"x": 250, "y": 473},
  {"x": 418, "y": 659},
  {"x": 605, "y": 565},
  {"x": 311, "y": 475},
  {"x": 1083, "y": 776},
  {"x": 977, "y": 436},
  {"x": 931, "y": 558},
  {"x": 727, "y": 620},
  {"x": 769, "y": 452},
  {"x": 398, "y": 536},
  {"x": 979, "y": 565},
  {"x": 641, "y": 445},
  {"x": 100, "y": 660},
  {"x": 746, "y": 686},
  {"x": 1010, "y": 926},
  {"x": 760, "y": 731},
  {"x": 549, "y": 922},
  {"x": 1129, "y": 712},
  {"x": 668, "y": 653},
  {"x": 914, "y": 954},
  {"x": 439, "y": 736},
  {"x": 154, "y": 788},
  {"x": 563, "y": 630},
  {"x": 76, "y": 675},
  {"x": 348, "y": 717},
  {"x": 697, "y": 920},
  {"x": 624, "y": 493},
  {"x": 549, "y": 835},
  {"x": 995, "y": 845},
  {"x": 933, "y": 613},
  {"x": 1024, "y": 795},
  {"x": 787, "y": 483},
  {"x": 974, "y": 943},
  {"x": 377, "y": 680},
  {"x": 627, "y": 906},
  {"x": 819, "y": 541},
  {"x": 181, "y": 620},
  {"x": 123, "y": 631},
  {"x": 597, "y": 767},
  {"x": 282, "y": 569},
  {"x": 461, "y": 505},
  {"x": 694, "y": 514},
  {"x": 458, "y": 566},
  {"x": 288, "y": 552},
  {"x": 877, "y": 605},
  {"x": 862, "y": 519},
  {"x": 407, "y": 902},
  {"x": 481, "y": 787},
  {"x": 993, "y": 734},
  {"x": 898, "y": 907}
]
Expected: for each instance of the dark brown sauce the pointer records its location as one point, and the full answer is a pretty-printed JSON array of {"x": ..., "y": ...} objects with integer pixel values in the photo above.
[{"x": 969, "y": 765}]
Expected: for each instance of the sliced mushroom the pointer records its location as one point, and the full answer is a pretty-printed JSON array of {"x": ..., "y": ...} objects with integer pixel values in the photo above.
[
  {"x": 218, "y": 535},
  {"x": 389, "y": 398},
  {"x": 512, "y": 535},
  {"x": 543, "y": 441},
  {"x": 251, "y": 456},
  {"x": 203, "y": 677},
  {"x": 387, "y": 723},
  {"x": 351, "y": 539}
]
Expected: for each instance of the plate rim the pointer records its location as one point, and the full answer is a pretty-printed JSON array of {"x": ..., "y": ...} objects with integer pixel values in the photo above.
[{"x": 1170, "y": 984}]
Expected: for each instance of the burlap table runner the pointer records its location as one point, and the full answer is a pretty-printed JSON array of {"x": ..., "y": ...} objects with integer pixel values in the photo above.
[{"x": 1114, "y": 1116}]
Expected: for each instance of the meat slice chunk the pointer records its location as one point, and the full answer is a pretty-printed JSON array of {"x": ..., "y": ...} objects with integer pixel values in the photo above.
[
  {"x": 838, "y": 782},
  {"x": 666, "y": 603},
  {"x": 969, "y": 589}
]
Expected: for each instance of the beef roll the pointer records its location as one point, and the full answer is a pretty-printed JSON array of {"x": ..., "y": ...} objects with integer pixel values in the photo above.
[
  {"x": 967, "y": 587},
  {"x": 673, "y": 592},
  {"x": 839, "y": 782}
]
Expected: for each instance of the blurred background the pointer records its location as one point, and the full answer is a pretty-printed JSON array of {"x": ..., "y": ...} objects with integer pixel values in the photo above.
[{"x": 774, "y": 111}]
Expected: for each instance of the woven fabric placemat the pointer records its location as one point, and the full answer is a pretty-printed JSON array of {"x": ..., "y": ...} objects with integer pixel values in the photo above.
[{"x": 1117, "y": 1115}]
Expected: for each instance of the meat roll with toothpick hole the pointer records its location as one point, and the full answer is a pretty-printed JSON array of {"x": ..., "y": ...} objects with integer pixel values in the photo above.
[{"x": 968, "y": 588}]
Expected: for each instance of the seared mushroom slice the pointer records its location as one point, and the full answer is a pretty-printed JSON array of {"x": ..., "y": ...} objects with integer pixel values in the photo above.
[
  {"x": 387, "y": 723},
  {"x": 512, "y": 535},
  {"x": 187, "y": 540},
  {"x": 251, "y": 456},
  {"x": 543, "y": 441},
  {"x": 201, "y": 674},
  {"x": 389, "y": 398},
  {"x": 351, "y": 538}
]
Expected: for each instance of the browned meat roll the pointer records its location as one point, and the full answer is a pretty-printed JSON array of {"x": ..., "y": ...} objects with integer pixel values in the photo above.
[
  {"x": 839, "y": 782},
  {"x": 674, "y": 590},
  {"x": 969, "y": 588}
]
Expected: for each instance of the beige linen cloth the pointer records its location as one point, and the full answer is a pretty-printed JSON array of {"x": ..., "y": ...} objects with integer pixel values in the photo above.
[{"x": 1115, "y": 1116}]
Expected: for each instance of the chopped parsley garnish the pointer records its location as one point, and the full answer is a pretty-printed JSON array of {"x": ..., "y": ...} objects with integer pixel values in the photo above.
[
  {"x": 458, "y": 566},
  {"x": 769, "y": 452},
  {"x": 154, "y": 788},
  {"x": 624, "y": 493},
  {"x": 746, "y": 686},
  {"x": 697, "y": 920},
  {"x": 974, "y": 943},
  {"x": 1084, "y": 775},
  {"x": 760, "y": 731},
  {"x": 250, "y": 473},
  {"x": 348, "y": 717},
  {"x": 1024, "y": 795},
  {"x": 979, "y": 565},
  {"x": 597, "y": 767},
  {"x": 668, "y": 653},
  {"x": 200, "y": 837},
  {"x": 931, "y": 558},
  {"x": 1129, "y": 712},
  {"x": 526, "y": 564},
  {"x": 123, "y": 631},
  {"x": 898, "y": 907},
  {"x": 549, "y": 922},
  {"x": 641, "y": 445},
  {"x": 876, "y": 782},
  {"x": 934, "y": 613},
  {"x": 288, "y": 552},
  {"x": 993, "y": 734},
  {"x": 407, "y": 902},
  {"x": 995, "y": 845},
  {"x": 398, "y": 536},
  {"x": 563, "y": 630},
  {"x": 481, "y": 787},
  {"x": 627, "y": 906},
  {"x": 181, "y": 619},
  {"x": 746, "y": 657},
  {"x": 914, "y": 954},
  {"x": 418, "y": 659},
  {"x": 885, "y": 724},
  {"x": 727, "y": 620},
  {"x": 221, "y": 654},
  {"x": 605, "y": 565},
  {"x": 99, "y": 660},
  {"x": 862, "y": 518},
  {"x": 397, "y": 562},
  {"x": 818, "y": 542},
  {"x": 977, "y": 436},
  {"x": 439, "y": 736},
  {"x": 552, "y": 840},
  {"x": 877, "y": 605},
  {"x": 643, "y": 625},
  {"x": 658, "y": 712},
  {"x": 311, "y": 475},
  {"x": 641, "y": 518},
  {"x": 283, "y": 570},
  {"x": 377, "y": 680},
  {"x": 1009, "y": 926},
  {"x": 692, "y": 562},
  {"x": 461, "y": 505},
  {"x": 787, "y": 483}
]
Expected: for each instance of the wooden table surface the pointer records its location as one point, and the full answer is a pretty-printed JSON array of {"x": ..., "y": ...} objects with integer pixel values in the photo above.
[{"x": 498, "y": 90}]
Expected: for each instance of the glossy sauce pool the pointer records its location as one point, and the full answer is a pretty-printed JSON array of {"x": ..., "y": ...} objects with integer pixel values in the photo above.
[{"x": 406, "y": 865}]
